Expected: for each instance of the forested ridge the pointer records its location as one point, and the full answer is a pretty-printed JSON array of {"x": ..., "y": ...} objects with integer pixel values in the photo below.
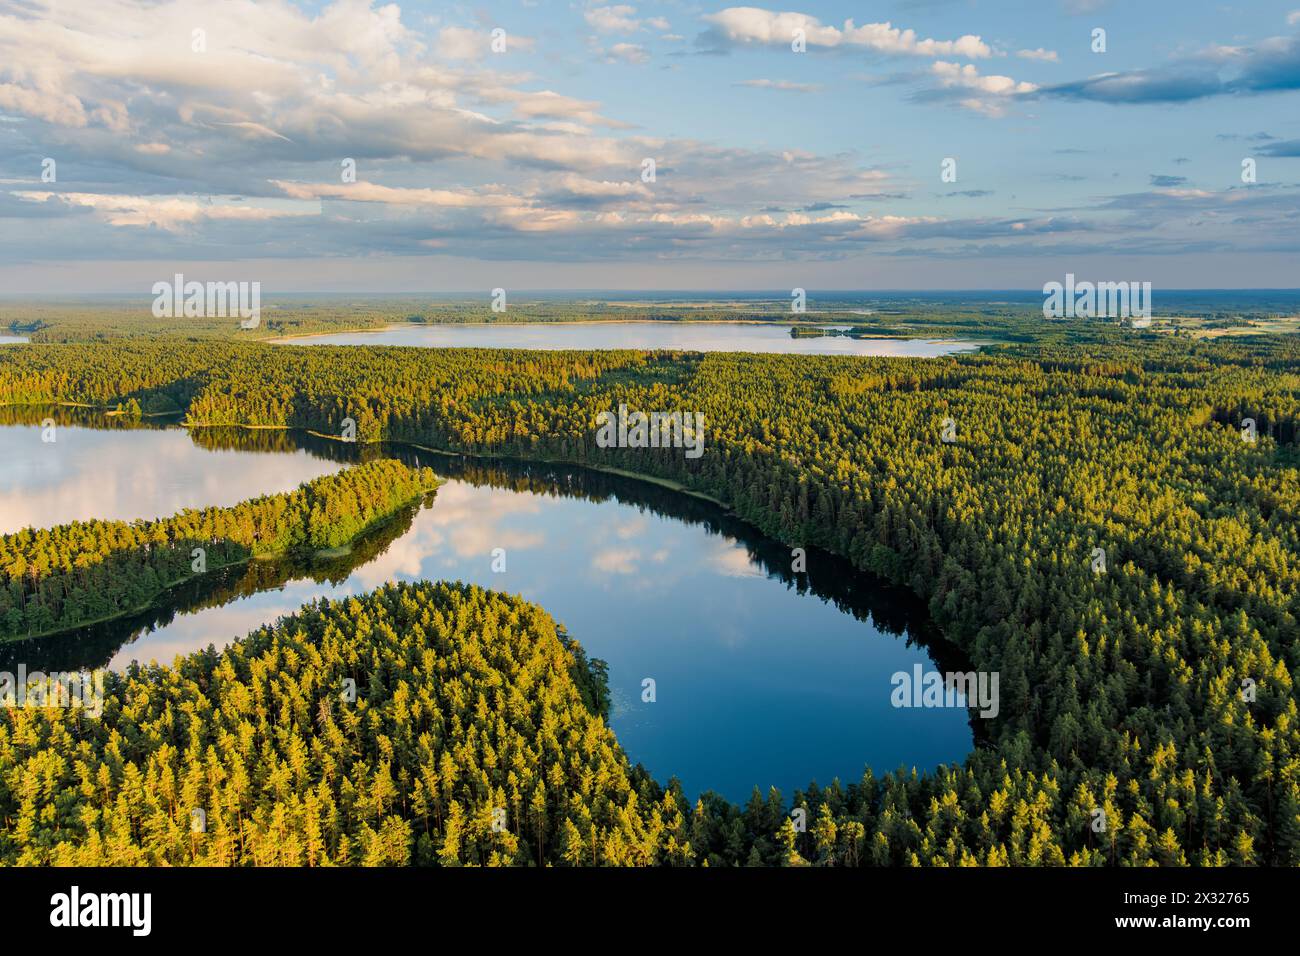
[
  {"x": 1121, "y": 691},
  {"x": 59, "y": 578}
]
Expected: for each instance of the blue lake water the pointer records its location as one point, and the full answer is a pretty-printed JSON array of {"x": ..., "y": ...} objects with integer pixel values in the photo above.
[
  {"x": 684, "y": 336},
  {"x": 763, "y": 677}
]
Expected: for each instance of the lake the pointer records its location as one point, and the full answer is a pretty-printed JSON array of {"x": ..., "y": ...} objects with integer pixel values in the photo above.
[
  {"x": 75, "y": 473},
  {"x": 683, "y": 336},
  {"x": 762, "y": 676}
]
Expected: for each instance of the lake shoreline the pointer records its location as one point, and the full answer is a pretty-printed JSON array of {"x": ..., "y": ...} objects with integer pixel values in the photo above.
[
  {"x": 303, "y": 553},
  {"x": 876, "y": 335},
  {"x": 486, "y": 456}
]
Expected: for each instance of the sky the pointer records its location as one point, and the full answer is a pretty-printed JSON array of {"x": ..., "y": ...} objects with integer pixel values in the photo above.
[{"x": 357, "y": 146}]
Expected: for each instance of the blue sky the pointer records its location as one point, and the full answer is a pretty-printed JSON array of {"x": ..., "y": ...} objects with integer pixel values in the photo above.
[{"x": 221, "y": 153}]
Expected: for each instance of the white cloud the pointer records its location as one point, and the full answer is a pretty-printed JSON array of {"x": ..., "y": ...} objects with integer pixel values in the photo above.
[
  {"x": 602, "y": 189},
  {"x": 622, "y": 18},
  {"x": 993, "y": 89},
  {"x": 991, "y": 108},
  {"x": 171, "y": 212},
  {"x": 395, "y": 195},
  {"x": 457, "y": 156},
  {"x": 755, "y": 25},
  {"x": 547, "y": 104},
  {"x": 1048, "y": 56},
  {"x": 275, "y": 75},
  {"x": 619, "y": 18},
  {"x": 53, "y": 106},
  {"x": 967, "y": 77},
  {"x": 463, "y": 43},
  {"x": 629, "y": 53}
]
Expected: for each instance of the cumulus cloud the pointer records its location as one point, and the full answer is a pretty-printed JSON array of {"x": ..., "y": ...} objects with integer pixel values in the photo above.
[
  {"x": 573, "y": 189},
  {"x": 965, "y": 86},
  {"x": 967, "y": 77},
  {"x": 56, "y": 106},
  {"x": 235, "y": 152},
  {"x": 464, "y": 43},
  {"x": 628, "y": 53},
  {"x": 306, "y": 86},
  {"x": 619, "y": 18},
  {"x": 753, "y": 25},
  {"x": 622, "y": 18}
]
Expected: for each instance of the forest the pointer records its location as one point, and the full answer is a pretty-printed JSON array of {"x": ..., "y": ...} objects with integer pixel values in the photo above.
[
  {"x": 1007, "y": 318},
  {"x": 465, "y": 703},
  {"x": 1161, "y": 690},
  {"x": 57, "y": 579}
]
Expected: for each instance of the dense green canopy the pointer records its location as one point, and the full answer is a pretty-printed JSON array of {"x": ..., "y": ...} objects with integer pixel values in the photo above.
[{"x": 1121, "y": 691}]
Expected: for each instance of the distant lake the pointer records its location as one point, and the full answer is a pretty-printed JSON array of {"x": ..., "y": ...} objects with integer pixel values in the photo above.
[
  {"x": 683, "y": 336},
  {"x": 762, "y": 676},
  {"x": 12, "y": 339}
]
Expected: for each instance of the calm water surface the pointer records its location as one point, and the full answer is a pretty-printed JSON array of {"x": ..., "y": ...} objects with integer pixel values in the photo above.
[
  {"x": 763, "y": 677},
  {"x": 687, "y": 336},
  {"x": 74, "y": 473}
]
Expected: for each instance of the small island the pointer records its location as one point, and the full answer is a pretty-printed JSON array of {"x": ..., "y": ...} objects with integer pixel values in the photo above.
[{"x": 66, "y": 577}]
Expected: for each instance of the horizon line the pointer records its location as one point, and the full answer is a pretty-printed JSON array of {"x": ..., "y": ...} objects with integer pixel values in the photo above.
[{"x": 777, "y": 293}]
